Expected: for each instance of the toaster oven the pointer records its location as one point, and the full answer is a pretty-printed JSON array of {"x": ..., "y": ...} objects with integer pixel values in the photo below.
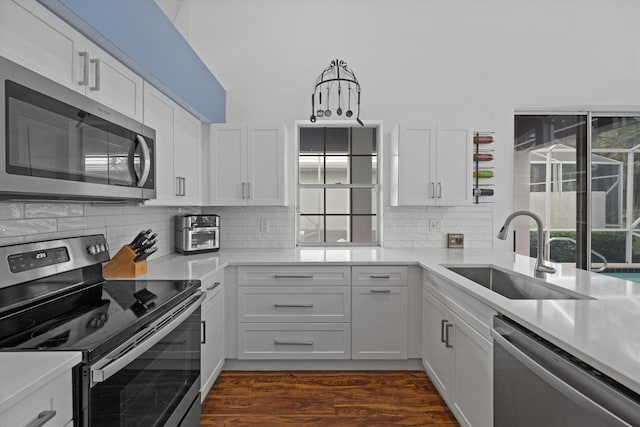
[{"x": 197, "y": 233}]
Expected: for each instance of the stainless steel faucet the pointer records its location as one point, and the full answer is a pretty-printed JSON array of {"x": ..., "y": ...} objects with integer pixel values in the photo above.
[{"x": 502, "y": 235}]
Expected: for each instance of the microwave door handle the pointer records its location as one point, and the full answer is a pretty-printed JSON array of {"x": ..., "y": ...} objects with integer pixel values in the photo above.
[{"x": 145, "y": 160}]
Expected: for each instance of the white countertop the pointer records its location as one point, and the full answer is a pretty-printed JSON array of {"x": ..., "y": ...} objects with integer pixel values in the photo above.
[
  {"x": 23, "y": 373},
  {"x": 603, "y": 332}
]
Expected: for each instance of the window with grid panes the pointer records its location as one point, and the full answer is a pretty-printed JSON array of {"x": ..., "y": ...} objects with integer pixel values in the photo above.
[{"x": 337, "y": 186}]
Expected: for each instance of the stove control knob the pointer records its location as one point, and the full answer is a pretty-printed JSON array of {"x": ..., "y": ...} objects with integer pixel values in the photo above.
[
  {"x": 101, "y": 248},
  {"x": 93, "y": 249}
]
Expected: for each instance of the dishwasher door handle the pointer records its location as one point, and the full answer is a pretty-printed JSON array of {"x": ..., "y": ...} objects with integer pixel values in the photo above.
[{"x": 548, "y": 377}]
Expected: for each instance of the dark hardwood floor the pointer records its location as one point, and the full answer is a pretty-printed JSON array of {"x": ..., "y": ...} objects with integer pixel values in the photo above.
[{"x": 313, "y": 398}]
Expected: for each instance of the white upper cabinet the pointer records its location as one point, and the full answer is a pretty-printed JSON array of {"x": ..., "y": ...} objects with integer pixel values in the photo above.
[
  {"x": 431, "y": 166},
  {"x": 247, "y": 165},
  {"x": 35, "y": 38},
  {"x": 186, "y": 156},
  {"x": 113, "y": 84},
  {"x": 178, "y": 139}
]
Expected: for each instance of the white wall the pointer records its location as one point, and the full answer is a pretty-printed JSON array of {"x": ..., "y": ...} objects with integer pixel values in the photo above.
[{"x": 463, "y": 62}]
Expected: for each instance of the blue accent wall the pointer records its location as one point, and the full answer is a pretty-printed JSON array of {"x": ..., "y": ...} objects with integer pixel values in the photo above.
[{"x": 140, "y": 35}]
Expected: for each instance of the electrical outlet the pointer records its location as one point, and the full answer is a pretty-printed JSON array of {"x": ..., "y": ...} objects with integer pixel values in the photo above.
[
  {"x": 434, "y": 225},
  {"x": 264, "y": 226}
]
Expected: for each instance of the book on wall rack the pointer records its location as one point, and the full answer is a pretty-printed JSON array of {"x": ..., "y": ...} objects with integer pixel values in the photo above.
[{"x": 483, "y": 167}]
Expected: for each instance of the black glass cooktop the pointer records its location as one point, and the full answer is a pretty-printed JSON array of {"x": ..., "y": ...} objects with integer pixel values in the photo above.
[{"x": 93, "y": 319}]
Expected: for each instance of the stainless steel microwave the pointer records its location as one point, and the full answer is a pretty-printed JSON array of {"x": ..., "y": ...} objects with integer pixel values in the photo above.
[{"x": 60, "y": 144}]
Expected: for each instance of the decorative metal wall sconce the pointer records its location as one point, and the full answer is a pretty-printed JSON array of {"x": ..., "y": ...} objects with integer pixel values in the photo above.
[{"x": 337, "y": 77}]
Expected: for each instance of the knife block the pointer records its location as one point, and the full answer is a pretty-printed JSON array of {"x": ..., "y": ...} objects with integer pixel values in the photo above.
[{"x": 122, "y": 265}]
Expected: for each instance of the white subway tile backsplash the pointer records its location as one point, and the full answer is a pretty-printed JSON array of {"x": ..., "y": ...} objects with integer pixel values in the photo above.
[
  {"x": 49, "y": 210},
  {"x": 11, "y": 210},
  {"x": 408, "y": 227},
  {"x": 4, "y": 241},
  {"x": 240, "y": 226},
  {"x": 21, "y": 227},
  {"x": 76, "y": 223},
  {"x": 102, "y": 209},
  {"x": 57, "y": 235},
  {"x": 29, "y": 221}
]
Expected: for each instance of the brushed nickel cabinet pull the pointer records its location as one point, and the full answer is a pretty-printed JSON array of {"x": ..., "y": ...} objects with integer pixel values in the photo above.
[
  {"x": 293, "y": 305},
  {"x": 85, "y": 68},
  {"x": 293, "y": 276},
  {"x": 278, "y": 342},
  {"x": 96, "y": 85},
  {"x": 380, "y": 291}
]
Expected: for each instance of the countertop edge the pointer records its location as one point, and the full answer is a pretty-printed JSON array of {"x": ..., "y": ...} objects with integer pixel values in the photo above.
[{"x": 58, "y": 362}]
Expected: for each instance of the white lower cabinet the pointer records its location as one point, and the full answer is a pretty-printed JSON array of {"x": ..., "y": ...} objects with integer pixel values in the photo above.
[
  {"x": 213, "y": 343},
  {"x": 316, "y": 341},
  {"x": 294, "y": 312},
  {"x": 379, "y": 322},
  {"x": 458, "y": 359},
  {"x": 52, "y": 402}
]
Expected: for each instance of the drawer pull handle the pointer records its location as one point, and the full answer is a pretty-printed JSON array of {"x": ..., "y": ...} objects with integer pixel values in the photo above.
[
  {"x": 42, "y": 418},
  {"x": 212, "y": 287},
  {"x": 293, "y": 305},
  {"x": 380, "y": 276},
  {"x": 293, "y": 276},
  {"x": 278, "y": 342},
  {"x": 380, "y": 291}
]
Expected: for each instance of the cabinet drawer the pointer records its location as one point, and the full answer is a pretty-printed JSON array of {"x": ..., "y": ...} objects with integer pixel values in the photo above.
[
  {"x": 55, "y": 396},
  {"x": 294, "y": 341},
  {"x": 303, "y": 275},
  {"x": 385, "y": 275},
  {"x": 294, "y": 303}
]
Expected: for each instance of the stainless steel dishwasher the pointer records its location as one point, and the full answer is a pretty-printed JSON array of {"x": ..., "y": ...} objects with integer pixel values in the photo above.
[{"x": 538, "y": 384}]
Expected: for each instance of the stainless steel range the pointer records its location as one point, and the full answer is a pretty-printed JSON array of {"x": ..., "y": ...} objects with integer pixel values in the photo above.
[{"x": 140, "y": 339}]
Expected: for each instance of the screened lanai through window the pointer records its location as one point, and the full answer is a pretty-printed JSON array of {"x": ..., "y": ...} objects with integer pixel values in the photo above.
[{"x": 584, "y": 182}]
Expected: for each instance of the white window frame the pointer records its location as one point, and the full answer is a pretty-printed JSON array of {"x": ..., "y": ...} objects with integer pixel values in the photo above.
[{"x": 377, "y": 124}]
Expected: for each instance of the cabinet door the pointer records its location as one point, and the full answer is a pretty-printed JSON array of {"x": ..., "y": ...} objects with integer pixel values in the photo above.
[
  {"x": 212, "y": 357},
  {"x": 453, "y": 156},
  {"x": 228, "y": 160},
  {"x": 473, "y": 376},
  {"x": 35, "y": 38},
  {"x": 53, "y": 398},
  {"x": 437, "y": 358},
  {"x": 158, "y": 114},
  {"x": 266, "y": 171},
  {"x": 379, "y": 322},
  {"x": 415, "y": 169},
  {"x": 186, "y": 156},
  {"x": 113, "y": 84}
]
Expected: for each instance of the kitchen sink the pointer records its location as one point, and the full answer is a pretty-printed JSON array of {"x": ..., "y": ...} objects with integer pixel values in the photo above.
[{"x": 513, "y": 285}]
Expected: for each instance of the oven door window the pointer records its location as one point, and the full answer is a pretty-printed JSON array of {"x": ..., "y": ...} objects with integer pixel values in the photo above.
[
  {"x": 148, "y": 390},
  {"x": 50, "y": 139},
  {"x": 203, "y": 239}
]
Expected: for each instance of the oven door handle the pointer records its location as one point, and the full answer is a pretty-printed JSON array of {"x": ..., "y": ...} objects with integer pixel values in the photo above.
[{"x": 112, "y": 366}]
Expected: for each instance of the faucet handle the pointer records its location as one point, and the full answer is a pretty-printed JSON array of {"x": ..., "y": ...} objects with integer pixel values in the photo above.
[{"x": 542, "y": 268}]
